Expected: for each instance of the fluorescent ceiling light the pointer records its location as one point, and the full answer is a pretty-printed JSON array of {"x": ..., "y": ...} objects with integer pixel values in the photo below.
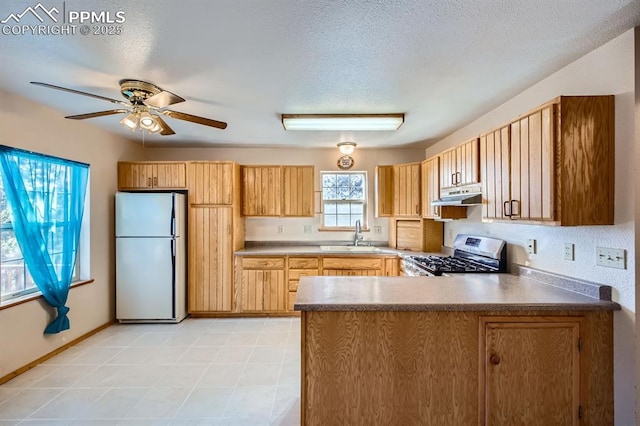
[{"x": 344, "y": 122}]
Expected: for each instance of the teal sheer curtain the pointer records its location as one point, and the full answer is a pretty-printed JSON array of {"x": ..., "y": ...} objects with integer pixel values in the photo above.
[{"x": 46, "y": 199}]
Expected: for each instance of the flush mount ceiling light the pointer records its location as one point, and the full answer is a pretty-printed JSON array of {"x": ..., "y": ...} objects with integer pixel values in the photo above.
[
  {"x": 347, "y": 148},
  {"x": 343, "y": 122}
]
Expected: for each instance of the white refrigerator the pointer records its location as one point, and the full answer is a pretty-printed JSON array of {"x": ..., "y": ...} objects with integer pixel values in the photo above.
[{"x": 150, "y": 257}]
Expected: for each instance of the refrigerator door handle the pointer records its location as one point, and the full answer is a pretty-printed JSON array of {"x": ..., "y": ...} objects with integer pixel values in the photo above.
[{"x": 173, "y": 251}]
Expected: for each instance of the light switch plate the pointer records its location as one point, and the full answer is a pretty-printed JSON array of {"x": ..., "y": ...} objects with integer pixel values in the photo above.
[
  {"x": 377, "y": 229},
  {"x": 611, "y": 258},
  {"x": 307, "y": 229},
  {"x": 280, "y": 229}
]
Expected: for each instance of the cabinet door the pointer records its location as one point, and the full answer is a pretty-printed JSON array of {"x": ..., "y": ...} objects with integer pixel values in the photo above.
[
  {"x": 430, "y": 177},
  {"x": 263, "y": 290},
  {"x": 529, "y": 371},
  {"x": 211, "y": 183},
  {"x": 210, "y": 259},
  {"x": 297, "y": 191},
  {"x": 261, "y": 190},
  {"x": 406, "y": 191},
  {"x": 384, "y": 191},
  {"x": 532, "y": 166},
  {"x": 170, "y": 175},
  {"x": 447, "y": 168},
  {"x": 467, "y": 163},
  {"x": 494, "y": 151},
  {"x": 135, "y": 175}
]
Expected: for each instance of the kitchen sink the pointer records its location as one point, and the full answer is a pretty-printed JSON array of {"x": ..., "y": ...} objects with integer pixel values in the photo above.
[{"x": 350, "y": 248}]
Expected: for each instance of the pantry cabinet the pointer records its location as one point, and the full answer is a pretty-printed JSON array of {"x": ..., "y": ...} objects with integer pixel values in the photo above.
[
  {"x": 529, "y": 370},
  {"x": 151, "y": 175},
  {"x": 553, "y": 165},
  {"x": 459, "y": 165},
  {"x": 406, "y": 190},
  {"x": 210, "y": 259},
  {"x": 212, "y": 182}
]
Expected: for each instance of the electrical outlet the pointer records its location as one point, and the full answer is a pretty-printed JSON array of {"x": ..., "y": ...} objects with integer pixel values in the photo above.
[
  {"x": 569, "y": 253},
  {"x": 531, "y": 246},
  {"x": 610, "y": 257},
  {"x": 280, "y": 229},
  {"x": 377, "y": 229},
  {"x": 307, "y": 229}
]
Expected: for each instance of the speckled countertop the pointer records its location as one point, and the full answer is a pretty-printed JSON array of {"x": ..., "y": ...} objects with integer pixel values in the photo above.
[
  {"x": 316, "y": 251},
  {"x": 461, "y": 292}
]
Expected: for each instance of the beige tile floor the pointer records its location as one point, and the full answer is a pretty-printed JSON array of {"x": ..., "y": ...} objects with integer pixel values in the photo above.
[{"x": 243, "y": 371}]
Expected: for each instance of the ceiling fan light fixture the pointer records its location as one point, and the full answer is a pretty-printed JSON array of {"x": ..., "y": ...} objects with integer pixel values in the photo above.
[
  {"x": 343, "y": 122},
  {"x": 131, "y": 121},
  {"x": 147, "y": 121}
]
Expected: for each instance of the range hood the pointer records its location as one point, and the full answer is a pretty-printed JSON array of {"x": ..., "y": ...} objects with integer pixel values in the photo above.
[{"x": 461, "y": 196}]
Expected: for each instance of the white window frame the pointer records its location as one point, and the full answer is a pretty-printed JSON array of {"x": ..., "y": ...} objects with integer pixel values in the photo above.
[{"x": 363, "y": 202}]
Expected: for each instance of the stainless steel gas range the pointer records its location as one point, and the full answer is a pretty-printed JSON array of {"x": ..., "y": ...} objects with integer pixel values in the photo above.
[{"x": 472, "y": 254}]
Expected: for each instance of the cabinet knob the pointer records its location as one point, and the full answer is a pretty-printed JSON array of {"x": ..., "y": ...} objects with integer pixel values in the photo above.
[{"x": 494, "y": 359}]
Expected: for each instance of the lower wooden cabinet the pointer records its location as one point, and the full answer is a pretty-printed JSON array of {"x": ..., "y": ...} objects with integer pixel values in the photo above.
[
  {"x": 262, "y": 286},
  {"x": 350, "y": 266},
  {"x": 300, "y": 267},
  {"x": 529, "y": 370}
]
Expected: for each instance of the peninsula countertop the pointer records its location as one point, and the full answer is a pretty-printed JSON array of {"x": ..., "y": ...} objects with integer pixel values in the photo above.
[{"x": 460, "y": 292}]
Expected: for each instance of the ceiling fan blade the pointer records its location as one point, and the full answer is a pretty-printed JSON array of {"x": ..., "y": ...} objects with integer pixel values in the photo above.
[
  {"x": 195, "y": 119},
  {"x": 163, "y": 99},
  {"x": 78, "y": 92},
  {"x": 97, "y": 114},
  {"x": 166, "y": 130}
]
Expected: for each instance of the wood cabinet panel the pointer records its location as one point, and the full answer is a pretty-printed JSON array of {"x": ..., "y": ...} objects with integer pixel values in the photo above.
[
  {"x": 263, "y": 263},
  {"x": 529, "y": 371},
  {"x": 297, "y": 191},
  {"x": 352, "y": 263},
  {"x": 151, "y": 175},
  {"x": 263, "y": 290},
  {"x": 212, "y": 182},
  {"x": 559, "y": 161},
  {"x": 384, "y": 190},
  {"x": 460, "y": 165},
  {"x": 430, "y": 177},
  {"x": 303, "y": 262},
  {"x": 296, "y": 274},
  {"x": 210, "y": 259},
  {"x": 406, "y": 192},
  {"x": 261, "y": 190}
]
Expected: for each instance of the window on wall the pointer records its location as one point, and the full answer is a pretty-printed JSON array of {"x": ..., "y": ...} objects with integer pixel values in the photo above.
[
  {"x": 344, "y": 199},
  {"x": 15, "y": 279}
]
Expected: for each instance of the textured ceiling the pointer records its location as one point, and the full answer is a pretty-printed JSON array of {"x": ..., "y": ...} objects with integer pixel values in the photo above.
[{"x": 441, "y": 62}]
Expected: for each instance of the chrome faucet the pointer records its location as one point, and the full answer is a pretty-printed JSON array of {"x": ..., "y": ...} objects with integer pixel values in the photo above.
[{"x": 357, "y": 238}]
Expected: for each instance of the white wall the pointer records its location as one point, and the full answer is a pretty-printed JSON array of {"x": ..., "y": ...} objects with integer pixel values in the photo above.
[
  {"x": 607, "y": 70},
  {"x": 266, "y": 229},
  {"x": 33, "y": 127}
]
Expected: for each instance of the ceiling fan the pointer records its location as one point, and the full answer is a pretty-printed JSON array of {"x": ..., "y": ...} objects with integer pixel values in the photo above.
[{"x": 146, "y": 102}]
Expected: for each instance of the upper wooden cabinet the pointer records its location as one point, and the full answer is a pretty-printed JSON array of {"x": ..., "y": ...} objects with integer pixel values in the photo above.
[
  {"x": 553, "y": 165},
  {"x": 277, "y": 191},
  {"x": 459, "y": 165},
  {"x": 261, "y": 190},
  {"x": 212, "y": 182},
  {"x": 406, "y": 190},
  {"x": 297, "y": 191},
  {"x": 152, "y": 175},
  {"x": 430, "y": 175},
  {"x": 384, "y": 191}
]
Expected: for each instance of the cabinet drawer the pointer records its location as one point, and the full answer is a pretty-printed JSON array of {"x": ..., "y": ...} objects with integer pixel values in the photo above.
[
  {"x": 303, "y": 262},
  {"x": 295, "y": 274},
  {"x": 263, "y": 263},
  {"x": 351, "y": 263},
  {"x": 293, "y": 285}
]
